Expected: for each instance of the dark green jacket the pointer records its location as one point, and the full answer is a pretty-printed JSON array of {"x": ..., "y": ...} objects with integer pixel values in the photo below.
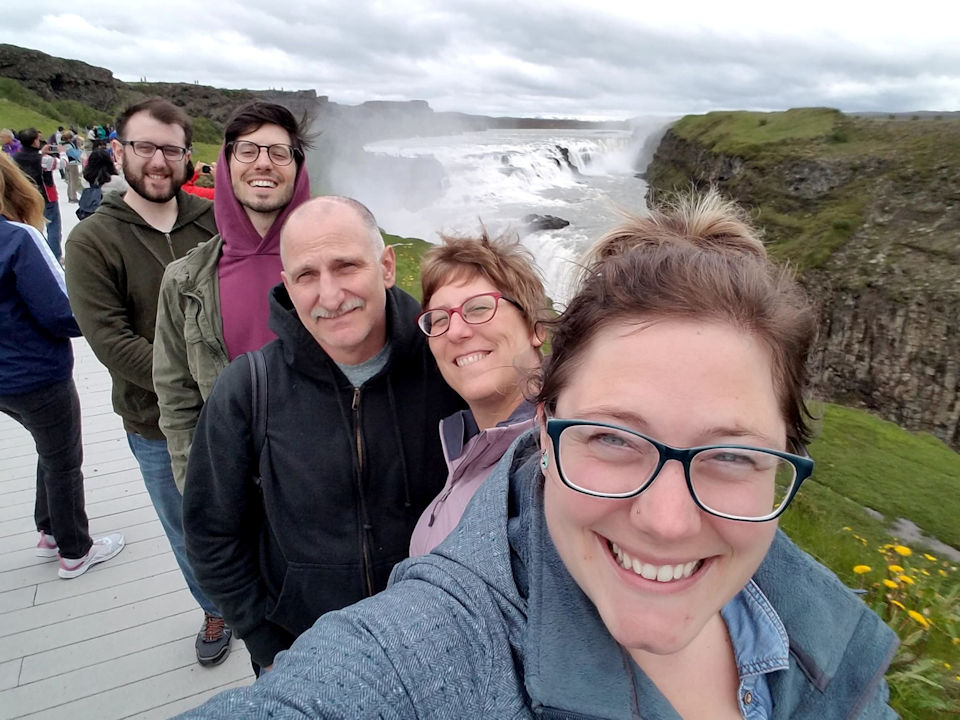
[
  {"x": 114, "y": 264},
  {"x": 189, "y": 351}
]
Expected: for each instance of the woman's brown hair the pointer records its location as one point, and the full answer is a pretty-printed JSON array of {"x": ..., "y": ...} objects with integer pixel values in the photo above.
[
  {"x": 697, "y": 258},
  {"x": 503, "y": 261}
]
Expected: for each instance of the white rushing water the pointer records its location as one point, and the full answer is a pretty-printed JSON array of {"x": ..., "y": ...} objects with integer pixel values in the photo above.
[{"x": 499, "y": 176}]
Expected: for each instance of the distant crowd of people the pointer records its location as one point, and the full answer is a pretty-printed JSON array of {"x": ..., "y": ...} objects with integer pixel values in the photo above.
[{"x": 412, "y": 509}]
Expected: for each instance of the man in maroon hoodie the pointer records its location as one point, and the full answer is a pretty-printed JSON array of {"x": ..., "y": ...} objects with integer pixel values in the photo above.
[{"x": 213, "y": 302}]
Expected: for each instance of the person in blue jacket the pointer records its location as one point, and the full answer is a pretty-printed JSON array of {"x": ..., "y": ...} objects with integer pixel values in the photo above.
[
  {"x": 36, "y": 376},
  {"x": 623, "y": 560}
]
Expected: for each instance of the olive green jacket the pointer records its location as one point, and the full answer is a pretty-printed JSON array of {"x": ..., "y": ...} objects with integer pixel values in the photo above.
[
  {"x": 189, "y": 351},
  {"x": 114, "y": 264}
]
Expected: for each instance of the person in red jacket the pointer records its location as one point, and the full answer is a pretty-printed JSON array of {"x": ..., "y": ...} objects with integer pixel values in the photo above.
[{"x": 202, "y": 171}]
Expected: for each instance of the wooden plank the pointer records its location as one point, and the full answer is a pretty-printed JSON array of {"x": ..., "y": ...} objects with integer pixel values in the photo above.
[
  {"x": 51, "y": 636},
  {"x": 150, "y": 693},
  {"x": 10, "y": 675},
  {"x": 182, "y": 626},
  {"x": 113, "y": 674}
]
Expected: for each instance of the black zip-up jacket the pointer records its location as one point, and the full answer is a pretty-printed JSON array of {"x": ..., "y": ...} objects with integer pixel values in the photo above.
[
  {"x": 30, "y": 161},
  {"x": 345, "y": 474}
]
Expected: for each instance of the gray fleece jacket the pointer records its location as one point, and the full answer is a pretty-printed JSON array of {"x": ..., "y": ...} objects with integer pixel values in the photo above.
[{"x": 491, "y": 625}]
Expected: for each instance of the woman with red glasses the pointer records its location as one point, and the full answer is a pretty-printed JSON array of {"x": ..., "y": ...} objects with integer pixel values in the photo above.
[{"x": 482, "y": 300}]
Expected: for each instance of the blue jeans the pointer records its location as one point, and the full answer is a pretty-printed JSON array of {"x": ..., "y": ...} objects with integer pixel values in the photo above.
[
  {"x": 51, "y": 211},
  {"x": 154, "y": 461}
]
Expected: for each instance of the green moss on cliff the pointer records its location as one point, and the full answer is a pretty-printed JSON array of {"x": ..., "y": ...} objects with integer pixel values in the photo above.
[
  {"x": 818, "y": 179},
  {"x": 748, "y": 134}
]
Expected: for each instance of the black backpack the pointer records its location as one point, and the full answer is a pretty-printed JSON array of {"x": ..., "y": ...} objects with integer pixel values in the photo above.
[{"x": 89, "y": 201}]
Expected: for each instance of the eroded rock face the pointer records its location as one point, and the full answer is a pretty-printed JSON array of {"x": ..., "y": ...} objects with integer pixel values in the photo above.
[
  {"x": 899, "y": 359},
  {"x": 889, "y": 288},
  {"x": 58, "y": 79}
]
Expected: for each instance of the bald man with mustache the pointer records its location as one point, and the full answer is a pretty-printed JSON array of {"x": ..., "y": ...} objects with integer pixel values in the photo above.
[{"x": 312, "y": 514}]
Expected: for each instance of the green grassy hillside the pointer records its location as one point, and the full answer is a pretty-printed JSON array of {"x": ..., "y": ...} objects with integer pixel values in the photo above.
[
  {"x": 865, "y": 462},
  {"x": 812, "y": 174}
]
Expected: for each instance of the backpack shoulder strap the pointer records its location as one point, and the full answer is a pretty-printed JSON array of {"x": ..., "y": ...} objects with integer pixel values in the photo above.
[{"x": 258, "y": 393}]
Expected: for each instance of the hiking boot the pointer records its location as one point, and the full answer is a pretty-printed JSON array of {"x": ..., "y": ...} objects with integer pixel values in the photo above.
[
  {"x": 47, "y": 546},
  {"x": 103, "y": 549},
  {"x": 213, "y": 640}
]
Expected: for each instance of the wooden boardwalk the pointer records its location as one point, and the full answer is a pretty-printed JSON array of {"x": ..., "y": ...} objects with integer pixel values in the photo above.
[{"x": 118, "y": 641}]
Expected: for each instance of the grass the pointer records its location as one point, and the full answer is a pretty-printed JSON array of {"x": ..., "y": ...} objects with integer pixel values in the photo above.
[
  {"x": 408, "y": 251},
  {"x": 897, "y": 473},
  {"x": 865, "y": 462},
  {"x": 205, "y": 152},
  {"x": 742, "y": 133},
  {"x": 17, "y": 117}
]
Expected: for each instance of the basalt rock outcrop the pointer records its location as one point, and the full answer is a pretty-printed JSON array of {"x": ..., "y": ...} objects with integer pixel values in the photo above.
[{"x": 868, "y": 211}]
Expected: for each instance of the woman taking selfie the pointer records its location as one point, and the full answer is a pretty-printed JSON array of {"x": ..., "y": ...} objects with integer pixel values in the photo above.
[
  {"x": 623, "y": 560},
  {"x": 483, "y": 301}
]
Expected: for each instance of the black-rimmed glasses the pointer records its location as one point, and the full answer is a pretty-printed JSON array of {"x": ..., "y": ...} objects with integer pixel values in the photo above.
[
  {"x": 146, "y": 149},
  {"x": 736, "y": 482},
  {"x": 248, "y": 152},
  {"x": 474, "y": 310}
]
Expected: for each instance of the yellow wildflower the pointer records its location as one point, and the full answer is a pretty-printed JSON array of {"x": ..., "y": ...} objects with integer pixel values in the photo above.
[
  {"x": 902, "y": 550},
  {"x": 889, "y": 583},
  {"x": 907, "y": 579},
  {"x": 861, "y": 569},
  {"x": 926, "y": 572},
  {"x": 929, "y": 557},
  {"x": 920, "y": 619},
  {"x": 895, "y": 568},
  {"x": 942, "y": 572},
  {"x": 898, "y": 604},
  {"x": 847, "y": 528},
  {"x": 947, "y": 665}
]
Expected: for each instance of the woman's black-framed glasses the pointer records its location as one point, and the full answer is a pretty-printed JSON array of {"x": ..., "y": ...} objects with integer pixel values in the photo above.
[
  {"x": 147, "y": 149},
  {"x": 248, "y": 152},
  {"x": 475, "y": 310},
  {"x": 736, "y": 482}
]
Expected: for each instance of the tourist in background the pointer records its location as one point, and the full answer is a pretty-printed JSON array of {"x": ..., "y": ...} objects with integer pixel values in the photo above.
[
  {"x": 74, "y": 157},
  {"x": 39, "y": 166},
  {"x": 623, "y": 560},
  {"x": 11, "y": 145},
  {"x": 483, "y": 304},
  {"x": 36, "y": 377}
]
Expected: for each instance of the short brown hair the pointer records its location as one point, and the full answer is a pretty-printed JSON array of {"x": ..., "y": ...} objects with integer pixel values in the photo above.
[
  {"x": 159, "y": 109},
  {"x": 502, "y": 260},
  {"x": 698, "y": 258}
]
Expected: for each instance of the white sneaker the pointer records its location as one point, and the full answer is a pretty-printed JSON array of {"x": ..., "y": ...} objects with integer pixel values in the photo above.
[
  {"x": 103, "y": 549},
  {"x": 47, "y": 546}
]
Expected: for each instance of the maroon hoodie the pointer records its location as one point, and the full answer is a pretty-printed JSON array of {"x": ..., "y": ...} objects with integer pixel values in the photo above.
[{"x": 250, "y": 264}]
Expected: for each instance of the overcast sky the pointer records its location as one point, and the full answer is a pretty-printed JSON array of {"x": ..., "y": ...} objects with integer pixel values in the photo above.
[{"x": 584, "y": 58}]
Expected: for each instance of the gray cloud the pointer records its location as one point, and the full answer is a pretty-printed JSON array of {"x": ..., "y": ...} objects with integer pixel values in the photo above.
[{"x": 524, "y": 57}]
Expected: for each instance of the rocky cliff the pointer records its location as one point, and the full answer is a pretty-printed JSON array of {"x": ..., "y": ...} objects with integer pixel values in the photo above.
[{"x": 868, "y": 210}]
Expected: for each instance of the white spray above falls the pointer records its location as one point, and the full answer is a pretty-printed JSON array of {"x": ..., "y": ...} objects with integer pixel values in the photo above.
[{"x": 497, "y": 177}]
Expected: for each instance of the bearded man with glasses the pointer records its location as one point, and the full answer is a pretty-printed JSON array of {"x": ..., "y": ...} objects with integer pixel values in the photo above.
[{"x": 115, "y": 261}]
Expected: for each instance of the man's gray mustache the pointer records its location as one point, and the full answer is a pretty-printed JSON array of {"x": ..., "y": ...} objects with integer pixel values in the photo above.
[{"x": 346, "y": 306}]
